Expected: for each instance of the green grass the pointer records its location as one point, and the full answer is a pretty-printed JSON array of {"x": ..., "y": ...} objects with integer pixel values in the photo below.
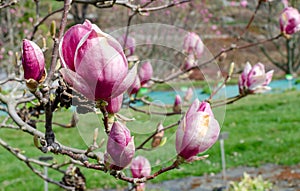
[{"x": 262, "y": 129}]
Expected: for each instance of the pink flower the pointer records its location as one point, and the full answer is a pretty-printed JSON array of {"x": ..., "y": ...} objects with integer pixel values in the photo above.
[
  {"x": 94, "y": 63},
  {"x": 244, "y": 3},
  {"x": 289, "y": 21},
  {"x": 145, "y": 72},
  {"x": 254, "y": 80},
  {"x": 33, "y": 61},
  {"x": 193, "y": 45},
  {"x": 120, "y": 147},
  {"x": 177, "y": 104},
  {"x": 114, "y": 105},
  {"x": 197, "y": 131},
  {"x": 134, "y": 88},
  {"x": 140, "y": 167}
]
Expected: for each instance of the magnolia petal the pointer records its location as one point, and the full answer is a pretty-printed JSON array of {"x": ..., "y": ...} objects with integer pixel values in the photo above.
[
  {"x": 205, "y": 107},
  {"x": 127, "y": 82},
  {"x": 77, "y": 82},
  {"x": 193, "y": 108},
  {"x": 102, "y": 65},
  {"x": 269, "y": 76},
  {"x": 69, "y": 42},
  {"x": 261, "y": 89}
]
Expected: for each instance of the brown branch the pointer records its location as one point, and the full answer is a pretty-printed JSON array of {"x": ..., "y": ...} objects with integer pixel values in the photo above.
[
  {"x": 11, "y": 79},
  {"x": 10, "y": 3},
  {"x": 151, "y": 136},
  {"x": 233, "y": 47},
  {"x": 36, "y": 26},
  {"x": 154, "y": 112},
  {"x": 67, "y": 6},
  {"x": 28, "y": 161}
]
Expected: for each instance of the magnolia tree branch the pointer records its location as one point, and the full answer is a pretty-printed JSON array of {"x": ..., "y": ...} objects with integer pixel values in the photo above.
[
  {"x": 8, "y": 4},
  {"x": 39, "y": 23},
  {"x": 16, "y": 152},
  {"x": 232, "y": 48},
  {"x": 67, "y": 6}
]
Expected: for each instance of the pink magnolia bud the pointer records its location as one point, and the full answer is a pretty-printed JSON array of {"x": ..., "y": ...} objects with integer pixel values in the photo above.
[
  {"x": 94, "y": 63},
  {"x": 244, "y": 3},
  {"x": 140, "y": 167},
  {"x": 114, "y": 105},
  {"x": 177, "y": 104},
  {"x": 197, "y": 131},
  {"x": 254, "y": 79},
  {"x": 289, "y": 21},
  {"x": 188, "y": 95},
  {"x": 193, "y": 45},
  {"x": 145, "y": 72},
  {"x": 130, "y": 44},
  {"x": 134, "y": 88},
  {"x": 120, "y": 147},
  {"x": 33, "y": 61},
  {"x": 189, "y": 62}
]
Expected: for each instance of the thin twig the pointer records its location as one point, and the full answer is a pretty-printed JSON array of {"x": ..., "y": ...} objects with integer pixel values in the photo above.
[{"x": 67, "y": 6}]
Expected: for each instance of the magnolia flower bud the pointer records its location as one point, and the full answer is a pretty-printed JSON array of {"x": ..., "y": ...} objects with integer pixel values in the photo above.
[
  {"x": 254, "y": 80},
  {"x": 94, "y": 63},
  {"x": 114, "y": 105},
  {"x": 193, "y": 45},
  {"x": 289, "y": 21},
  {"x": 197, "y": 131},
  {"x": 243, "y": 3},
  {"x": 145, "y": 72},
  {"x": 33, "y": 62},
  {"x": 140, "y": 167},
  {"x": 157, "y": 138},
  {"x": 120, "y": 147},
  {"x": 177, "y": 104},
  {"x": 189, "y": 62}
]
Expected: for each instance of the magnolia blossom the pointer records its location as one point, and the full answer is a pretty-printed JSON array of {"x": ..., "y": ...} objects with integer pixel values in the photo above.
[
  {"x": 197, "y": 131},
  {"x": 177, "y": 104},
  {"x": 193, "y": 45},
  {"x": 114, "y": 105},
  {"x": 140, "y": 167},
  {"x": 289, "y": 21},
  {"x": 120, "y": 147},
  {"x": 94, "y": 62},
  {"x": 145, "y": 72},
  {"x": 243, "y": 3},
  {"x": 254, "y": 79},
  {"x": 33, "y": 61}
]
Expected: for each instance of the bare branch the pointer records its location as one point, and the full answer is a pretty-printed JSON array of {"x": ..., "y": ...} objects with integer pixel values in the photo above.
[{"x": 8, "y": 4}]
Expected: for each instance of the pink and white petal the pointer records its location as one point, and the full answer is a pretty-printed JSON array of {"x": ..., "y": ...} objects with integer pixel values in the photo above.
[
  {"x": 127, "y": 82},
  {"x": 77, "y": 82},
  {"x": 269, "y": 76}
]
